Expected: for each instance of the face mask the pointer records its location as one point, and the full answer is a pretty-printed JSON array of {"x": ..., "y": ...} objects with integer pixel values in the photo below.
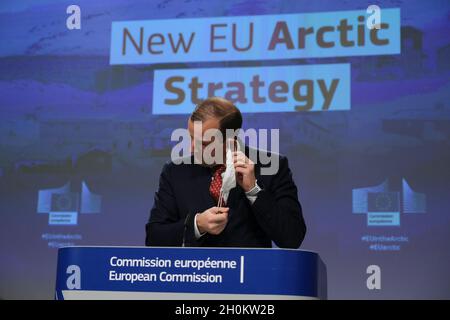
[{"x": 229, "y": 175}]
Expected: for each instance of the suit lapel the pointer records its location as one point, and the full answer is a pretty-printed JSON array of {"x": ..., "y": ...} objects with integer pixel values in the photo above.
[{"x": 203, "y": 181}]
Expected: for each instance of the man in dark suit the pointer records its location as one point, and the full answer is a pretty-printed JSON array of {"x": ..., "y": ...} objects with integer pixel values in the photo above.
[{"x": 260, "y": 210}]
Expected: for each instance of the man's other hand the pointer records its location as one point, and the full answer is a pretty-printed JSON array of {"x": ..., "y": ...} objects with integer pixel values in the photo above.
[{"x": 213, "y": 220}]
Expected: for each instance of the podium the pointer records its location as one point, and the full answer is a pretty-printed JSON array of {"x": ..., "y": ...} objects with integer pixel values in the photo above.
[{"x": 162, "y": 273}]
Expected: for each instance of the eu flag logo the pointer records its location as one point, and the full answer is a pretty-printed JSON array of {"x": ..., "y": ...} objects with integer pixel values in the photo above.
[{"x": 383, "y": 202}]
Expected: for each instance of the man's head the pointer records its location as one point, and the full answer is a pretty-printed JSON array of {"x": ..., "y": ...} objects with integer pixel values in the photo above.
[{"x": 213, "y": 113}]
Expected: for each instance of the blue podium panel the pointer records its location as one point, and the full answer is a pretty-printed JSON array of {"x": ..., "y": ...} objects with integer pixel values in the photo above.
[{"x": 188, "y": 273}]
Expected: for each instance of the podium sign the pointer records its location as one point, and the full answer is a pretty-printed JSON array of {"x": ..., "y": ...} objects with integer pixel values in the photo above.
[{"x": 188, "y": 273}]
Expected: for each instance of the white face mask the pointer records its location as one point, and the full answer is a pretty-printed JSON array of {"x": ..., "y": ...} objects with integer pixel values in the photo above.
[{"x": 229, "y": 175}]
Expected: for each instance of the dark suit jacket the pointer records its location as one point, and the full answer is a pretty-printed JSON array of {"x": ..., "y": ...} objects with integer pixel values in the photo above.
[{"x": 183, "y": 191}]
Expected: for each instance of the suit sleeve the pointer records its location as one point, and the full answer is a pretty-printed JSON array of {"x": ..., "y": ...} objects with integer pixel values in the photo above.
[
  {"x": 278, "y": 210},
  {"x": 166, "y": 227}
]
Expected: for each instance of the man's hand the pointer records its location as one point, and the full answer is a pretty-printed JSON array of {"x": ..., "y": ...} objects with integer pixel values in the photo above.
[
  {"x": 245, "y": 169},
  {"x": 213, "y": 220}
]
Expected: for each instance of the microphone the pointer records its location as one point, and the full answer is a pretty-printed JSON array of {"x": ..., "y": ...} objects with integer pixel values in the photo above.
[{"x": 183, "y": 244}]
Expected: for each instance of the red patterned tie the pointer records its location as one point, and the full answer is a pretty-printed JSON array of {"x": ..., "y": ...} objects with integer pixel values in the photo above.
[{"x": 216, "y": 183}]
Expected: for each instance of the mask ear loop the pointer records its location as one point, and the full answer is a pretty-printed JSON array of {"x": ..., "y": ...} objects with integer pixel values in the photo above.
[{"x": 219, "y": 203}]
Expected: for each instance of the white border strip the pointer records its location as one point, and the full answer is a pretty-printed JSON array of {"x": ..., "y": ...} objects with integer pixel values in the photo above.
[{"x": 129, "y": 295}]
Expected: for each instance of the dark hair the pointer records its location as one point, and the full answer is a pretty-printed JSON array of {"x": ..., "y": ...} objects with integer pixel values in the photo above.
[{"x": 219, "y": 108}]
